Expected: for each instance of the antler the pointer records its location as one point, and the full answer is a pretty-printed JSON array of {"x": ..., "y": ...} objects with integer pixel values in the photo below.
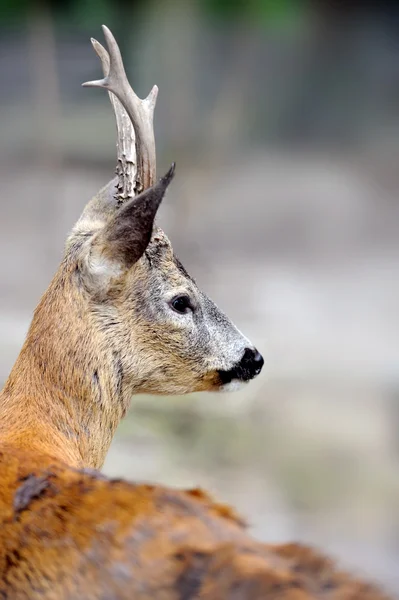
[
  {"x": 136, "y": 168},
  {"x": 126, "y": 169}
]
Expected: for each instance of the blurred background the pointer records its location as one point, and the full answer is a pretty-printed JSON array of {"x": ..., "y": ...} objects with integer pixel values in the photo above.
[{"x": 283, "y": 117}]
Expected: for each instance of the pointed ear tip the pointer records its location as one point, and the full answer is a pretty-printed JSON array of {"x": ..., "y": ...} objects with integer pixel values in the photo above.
[{"x": 166, "y": 179}]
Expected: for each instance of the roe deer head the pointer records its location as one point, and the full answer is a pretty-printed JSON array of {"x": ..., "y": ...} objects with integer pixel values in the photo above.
[{"x": 122, "y": 316}]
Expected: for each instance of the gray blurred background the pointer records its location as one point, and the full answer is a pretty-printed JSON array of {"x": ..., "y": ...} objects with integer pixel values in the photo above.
[{"x": 283, "y": 117}]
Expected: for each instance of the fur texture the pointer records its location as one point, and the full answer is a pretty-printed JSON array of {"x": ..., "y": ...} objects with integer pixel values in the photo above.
[{"x": 70, "y": 534}]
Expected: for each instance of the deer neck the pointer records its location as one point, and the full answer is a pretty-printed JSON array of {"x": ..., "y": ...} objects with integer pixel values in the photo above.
[{"x": 66, "y": 393}]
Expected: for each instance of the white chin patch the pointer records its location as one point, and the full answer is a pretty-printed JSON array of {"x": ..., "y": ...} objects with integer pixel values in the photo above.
[{"x": 233, "y": 386}]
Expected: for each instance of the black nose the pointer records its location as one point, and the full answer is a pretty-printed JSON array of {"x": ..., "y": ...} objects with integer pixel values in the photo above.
[
  {"x": 258, "y": 362},
  {"x": 252, "y": 362},
  {"x": 249, "y": 366}
]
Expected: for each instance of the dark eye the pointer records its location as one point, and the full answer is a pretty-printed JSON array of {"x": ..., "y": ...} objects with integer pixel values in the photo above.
[{"x": 181, "y": 304}]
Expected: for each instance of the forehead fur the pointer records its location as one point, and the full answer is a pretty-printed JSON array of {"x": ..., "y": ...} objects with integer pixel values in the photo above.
[
  {"x": 160, "y": 253},
  {"x": 159, "y": 248}
]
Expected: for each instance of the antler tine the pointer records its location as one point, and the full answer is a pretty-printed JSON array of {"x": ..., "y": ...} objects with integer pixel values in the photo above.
[
  {"x": 139, "y": 111},
  {"x": 126, "y": 139}
]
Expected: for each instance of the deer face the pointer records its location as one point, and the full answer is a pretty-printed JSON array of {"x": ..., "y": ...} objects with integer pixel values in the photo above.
[
  {"x": 182, "y": 342},
  {"x": 170, "y": 337}
]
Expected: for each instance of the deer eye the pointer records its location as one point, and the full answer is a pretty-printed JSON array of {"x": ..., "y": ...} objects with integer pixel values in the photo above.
[{"x": 181, "y": 304}]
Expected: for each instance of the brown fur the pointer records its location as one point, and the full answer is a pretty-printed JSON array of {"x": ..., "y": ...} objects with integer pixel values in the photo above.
[{"x": 69, "y": 534}]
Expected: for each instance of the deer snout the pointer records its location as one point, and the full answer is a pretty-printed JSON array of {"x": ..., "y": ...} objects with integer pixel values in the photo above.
[{"x": 248, "y": 367}]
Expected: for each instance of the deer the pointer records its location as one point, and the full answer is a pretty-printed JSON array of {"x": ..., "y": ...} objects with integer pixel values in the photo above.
[{"x": 122, "y": 316}]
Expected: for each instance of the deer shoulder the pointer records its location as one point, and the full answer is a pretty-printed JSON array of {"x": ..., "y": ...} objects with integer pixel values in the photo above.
[{"x": 73, "y": 533}]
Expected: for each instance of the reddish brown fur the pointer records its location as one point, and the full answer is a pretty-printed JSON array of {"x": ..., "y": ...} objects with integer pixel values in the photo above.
[{"x": 67, "y": 534}]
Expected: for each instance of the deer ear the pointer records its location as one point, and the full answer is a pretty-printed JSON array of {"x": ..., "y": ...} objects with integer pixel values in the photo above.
[{"x": 124, "y": 239}]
